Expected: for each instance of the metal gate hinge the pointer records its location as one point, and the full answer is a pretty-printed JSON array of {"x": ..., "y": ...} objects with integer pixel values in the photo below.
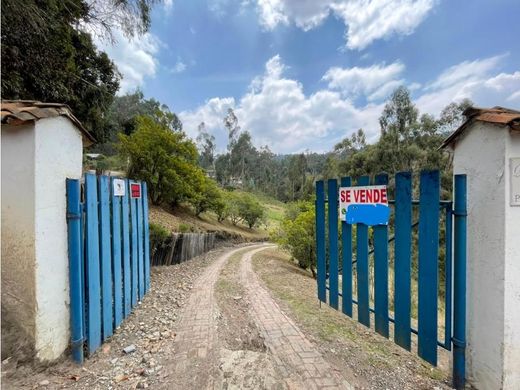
[
  {"x": 77, "y": 343},
  {"x": 458, "y": 343},
  {"x": 73, "y": 216},
  {"x": 460, "y": 213}
]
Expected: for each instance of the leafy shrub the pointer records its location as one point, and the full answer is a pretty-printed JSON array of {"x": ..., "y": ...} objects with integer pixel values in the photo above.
[
  {"x": 184, "y": 228},
  {"x": 158, "y": 235},
  {"x": 297, "y": 234}
]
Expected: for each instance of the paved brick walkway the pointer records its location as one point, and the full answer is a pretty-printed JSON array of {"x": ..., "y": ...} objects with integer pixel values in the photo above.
[
  {"x": 296, "y": 358},
  {"x": 196, "y": 344}
]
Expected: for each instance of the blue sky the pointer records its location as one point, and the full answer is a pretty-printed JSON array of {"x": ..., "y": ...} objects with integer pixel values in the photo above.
[{"x": 302, "y": 74}]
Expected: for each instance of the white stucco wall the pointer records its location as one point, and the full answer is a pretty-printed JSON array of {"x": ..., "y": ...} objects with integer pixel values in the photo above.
[
  {"x": 512, "y": 277},
  {"x": 58, "y": 155},
  {"x": 493, "y": 269},
  {"x": 18, "y": 249}
]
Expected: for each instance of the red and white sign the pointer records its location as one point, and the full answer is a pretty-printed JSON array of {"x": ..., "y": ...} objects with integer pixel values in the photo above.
[
  {"x": 135, "y": 190},
  {"x": 361, "y": 195}
]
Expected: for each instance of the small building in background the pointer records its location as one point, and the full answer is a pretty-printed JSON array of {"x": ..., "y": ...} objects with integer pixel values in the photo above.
[{"x": 42, "y": 145}]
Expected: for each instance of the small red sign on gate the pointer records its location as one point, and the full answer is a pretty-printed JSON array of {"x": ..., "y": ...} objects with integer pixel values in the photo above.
[{"x": 135, "y": 190}]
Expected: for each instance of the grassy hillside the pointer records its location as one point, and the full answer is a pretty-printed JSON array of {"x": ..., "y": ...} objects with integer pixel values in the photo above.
[{"x": 182, "y": 219}]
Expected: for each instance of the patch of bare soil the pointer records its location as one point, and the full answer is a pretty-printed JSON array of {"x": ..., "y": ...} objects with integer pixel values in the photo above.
[
  {"x": 244, "y": 361},
  {"x": 236, "y": 327},
  {"x": 377, "y": 363},
  {"x": 150, "y": 328}
]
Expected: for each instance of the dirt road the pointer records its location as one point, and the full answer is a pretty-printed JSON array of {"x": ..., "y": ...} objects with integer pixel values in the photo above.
[
  {"x": 210, "y": 323},
  {"x": 203, "y": 360}
]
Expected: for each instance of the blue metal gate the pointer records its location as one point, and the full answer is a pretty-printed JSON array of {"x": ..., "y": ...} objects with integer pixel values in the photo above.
[
  {"x": 435, "y": 227},
  {"x": 109, "y": 256}
]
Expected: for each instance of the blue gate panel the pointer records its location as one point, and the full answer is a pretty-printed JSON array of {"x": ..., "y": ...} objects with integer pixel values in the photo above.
[
  {"x": 320, "y": 240},
  {"x": 109, "y": 252},
  {"x": 140, "y": 245},
  {"x": 133, "y": 246},
  {"x": 127, "y": 269},
  {"x": 346, "y": 261},
  {"x": 146, "y": 238},
  {"x": 106, "y": 256},
  {"x": 117, "y": 258},
  {"x": 381, "y": 271},
  {"x": 402, "y": 255},
  {"x": 332, "y": 185},
  {"x": 428, "y": 265},
  {"x": 362, "y": 266},
  {"x": 93, "y": 277}
]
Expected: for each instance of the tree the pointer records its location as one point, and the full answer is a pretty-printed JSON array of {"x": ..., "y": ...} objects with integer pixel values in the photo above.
[
  {"x": 206, "y": 145},
  {"x": 297, "y": 175},
  {"x": 131, "y": 16},
  {"x": 250, "y": 210},
  {"x": 165, "y": 159},
  {"x": 122, "y": 115},
  {"x": 207, "y": 197},
  {"x": 451, "y": 116},
  {"x": 233, "y": 209},
  {"x": 231, "y": 124},
  {"x": 48, "y": 54}
]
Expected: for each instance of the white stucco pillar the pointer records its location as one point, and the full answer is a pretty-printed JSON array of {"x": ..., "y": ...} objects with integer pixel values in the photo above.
[
  {"x": 486, "y": 153},
  {"x": 37, "y": 158}
]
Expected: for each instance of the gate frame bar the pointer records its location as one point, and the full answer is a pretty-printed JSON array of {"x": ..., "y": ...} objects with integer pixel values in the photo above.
[
  {"x": 459, "y": 275},
  {"x": 74, "y": 214}
]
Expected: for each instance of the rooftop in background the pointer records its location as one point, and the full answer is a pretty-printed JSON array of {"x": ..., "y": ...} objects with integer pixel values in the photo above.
[
  {"x": 17, "y": 112},
  {"x": 496, "y": 115}
]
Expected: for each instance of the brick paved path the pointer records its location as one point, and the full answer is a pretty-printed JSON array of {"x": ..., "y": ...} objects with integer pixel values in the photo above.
[
  {"x": 197, "y": 358},
  {"x": 196, "y": 344},
  {"x": 296, "y": 358}
]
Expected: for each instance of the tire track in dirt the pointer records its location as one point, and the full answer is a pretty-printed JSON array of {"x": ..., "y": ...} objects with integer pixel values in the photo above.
[{"x": 299, "y": 361}]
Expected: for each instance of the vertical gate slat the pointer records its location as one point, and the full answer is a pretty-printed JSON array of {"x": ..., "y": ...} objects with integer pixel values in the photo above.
[
  {"x": 92, "y": 264},
  {"x": 116, "y": 257},
  {"x": 332, "y": 185},
  {"x": 346, "y": 266},
  {"x": 133, "y": 229},
  {"x": 106, "y": 256},
  {"x": 146, "y": 239},
  {"x": 402, "y": 256},
  {"x": 381, "y": 271},
  {"x": 320, "y": 240},
  {"x": 140, "y": 243},
  {"x": 428, "y": 265},
  {"x": 127, "y": 270},
  {"x": 362, "y": 266}
]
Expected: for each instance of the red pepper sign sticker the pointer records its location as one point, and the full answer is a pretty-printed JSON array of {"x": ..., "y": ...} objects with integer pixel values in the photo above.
[{"x": 135, "y": 190}]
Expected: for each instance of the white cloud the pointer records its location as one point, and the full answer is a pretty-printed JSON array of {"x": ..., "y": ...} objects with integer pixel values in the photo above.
[
  {"x": 279, "y": 114},
  {"x": 375, "y": 81},
  {"x": 465, "y": 72},
  {"x": 136, "y": 58},
  {"x": 368, "y": 21},
  {"x": 168, "y": 5},
  {"x": 212, "y": 113},
  {"x": 477, "y": 80},
  {"x": 179, "y": 67},
  {"x": 365, "y": 20}
]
